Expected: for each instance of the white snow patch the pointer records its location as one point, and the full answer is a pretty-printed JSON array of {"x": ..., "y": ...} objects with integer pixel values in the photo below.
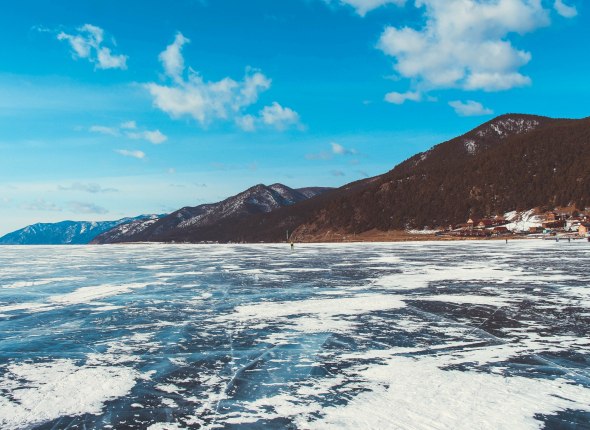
[
  {"x": 27, "y": 306},
  {"x": 168, "y": 388},
  {"x": 419, "y": 276},
  {"x": 466, "y": 299},
  {"x": 166, "y": 426},
  {"x": 88, "y": 294},
  {"x": 522, "y": 221},
  {"x": 34, "y": 393},
  {"x": 417, "y": 394},
  {"x": 326, "y": 308},
  {"x": 470, "y": 146},
  {"x": 326, "y": 315},
  {"x": 38, "y": 282},
  {"x": 424, "y": 231}
]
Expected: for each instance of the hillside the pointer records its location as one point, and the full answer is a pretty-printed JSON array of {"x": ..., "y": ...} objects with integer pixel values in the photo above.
[
  {"x": 260, "y": 199},
  {"x": 513, "y": 162},
  {"x": 510, "y": 163}
]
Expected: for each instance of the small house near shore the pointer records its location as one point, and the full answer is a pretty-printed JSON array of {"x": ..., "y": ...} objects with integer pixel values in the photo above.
[
  {"x": 485, "y": 223},
  {"x": 554, "y": 224},
  {"x": 500, "y": 229}
]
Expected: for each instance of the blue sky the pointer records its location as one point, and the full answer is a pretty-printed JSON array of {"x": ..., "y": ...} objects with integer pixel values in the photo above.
[{"x": 111, "y": 109}]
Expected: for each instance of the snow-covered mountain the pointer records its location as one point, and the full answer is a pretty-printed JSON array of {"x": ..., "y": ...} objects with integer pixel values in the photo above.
[
  {"x": 258, "y": 199},
  {"x": 485, "y": 137},
  {"x": 67, "y": 232},
  {"x": 255, "y": 200},
  {"x": 121, "y": 231}
]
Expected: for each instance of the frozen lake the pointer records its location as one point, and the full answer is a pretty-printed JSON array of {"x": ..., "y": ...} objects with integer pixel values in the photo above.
[{"x": 458, "y": 335}]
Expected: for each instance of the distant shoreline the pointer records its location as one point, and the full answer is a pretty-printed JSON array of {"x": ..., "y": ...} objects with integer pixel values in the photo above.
[
  {"x": 367, "y": 237},
  {"x": 383, "y": 237}
]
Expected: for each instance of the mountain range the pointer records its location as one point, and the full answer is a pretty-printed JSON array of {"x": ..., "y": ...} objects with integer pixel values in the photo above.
[
  {"x": 513, "y": 162},
  {"x": 256, "y": 200},
  {"x": 259, "y": 199},
  {"x": 66, "y": 232}
]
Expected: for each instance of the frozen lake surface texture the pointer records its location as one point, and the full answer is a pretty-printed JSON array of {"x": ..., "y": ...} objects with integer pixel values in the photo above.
[{"x": 461, "y": 335}]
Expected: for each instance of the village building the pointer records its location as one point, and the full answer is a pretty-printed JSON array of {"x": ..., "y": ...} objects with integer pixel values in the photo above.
[
  {"x": 485, "y": 223},
  {"x": 573, "y": 224},
  {"x": 498, "y": 230},
  {"x": 500, "y": 220},
  {"x": 551, "y": 216},
  {"x": 556, "y": 221},
  {"x": 554, "y": 224}
]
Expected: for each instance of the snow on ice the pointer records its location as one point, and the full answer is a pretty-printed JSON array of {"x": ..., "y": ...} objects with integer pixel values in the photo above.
[{"x": 429, "y": 335}]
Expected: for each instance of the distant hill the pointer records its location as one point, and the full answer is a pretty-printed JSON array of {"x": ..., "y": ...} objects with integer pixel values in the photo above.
[
  {"x": 259, "y": 199},
  {"x": 513, "y": 162},
  {"x": 66, "y": 232}
]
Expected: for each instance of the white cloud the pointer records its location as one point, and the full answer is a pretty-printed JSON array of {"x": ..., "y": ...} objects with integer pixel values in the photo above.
[
  {"x": 129, "y": 125},
  {"x": 156, "y": 136},
  {"x": 273, "y": 116},
  {"x": 278, "y": 116},
  {"x": 86, "y": 208},
  {"x": 140, "y": 155},
  {"x": 335, "y": 149},
  {"x": 324, "y": 155},
  {"x": 193, "y": 96},
  {"x": 362, "y": 7},
  {"x": 247, "y": 122},
  {"x": 88, "y": 188},
  {"x": 465, "y": 44},
  {"x": 470, "y": 108},
  {"x": 207, "y": 101},
  {"x": 401, "y": 98},
  {"x": 565, "y": 10},
  {"x": 496, "y": 81},
  {"x": 43, "y": 206},
  {"x": 190, "y": 95},
  {"x": 88, "y": 43},
  {"x": 106, "y": 60},
  {"x": 172, "y": 59},
  {"x": 100, "y": 129},
  {"x": 341, "y": 150}
]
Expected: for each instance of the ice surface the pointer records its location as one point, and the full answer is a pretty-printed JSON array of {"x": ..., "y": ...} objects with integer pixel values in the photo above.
[{"x": 425, "y": 335}]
